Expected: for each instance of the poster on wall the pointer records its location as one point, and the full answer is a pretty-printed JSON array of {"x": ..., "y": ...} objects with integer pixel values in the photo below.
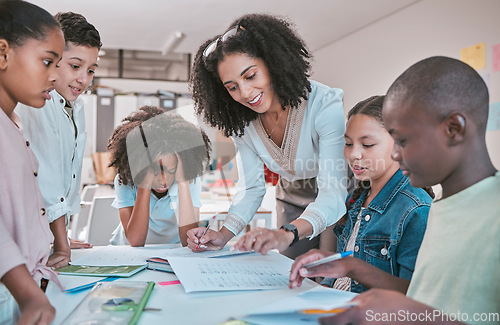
[
  {"x": 496, "y": 57},
  {"x": 474, "y": 55}
]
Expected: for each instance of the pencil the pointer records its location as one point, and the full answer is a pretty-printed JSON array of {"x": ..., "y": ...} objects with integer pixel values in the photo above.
[{"x": 206, "y": 230}]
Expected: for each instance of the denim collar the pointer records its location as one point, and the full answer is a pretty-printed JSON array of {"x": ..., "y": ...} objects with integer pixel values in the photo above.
[{"x": 385, "y": 196}]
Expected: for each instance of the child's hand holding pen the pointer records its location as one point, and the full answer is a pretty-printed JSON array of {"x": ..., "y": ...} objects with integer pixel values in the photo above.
[
  {"x": 204, "y": 239},
  {"x": 318, "y": 263},
  {"x": 205, "y": 232}
]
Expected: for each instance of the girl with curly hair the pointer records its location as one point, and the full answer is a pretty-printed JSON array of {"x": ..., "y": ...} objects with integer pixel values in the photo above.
[
  {"x": 159, "y": 157},
  {"x": 251, "y": 82}
]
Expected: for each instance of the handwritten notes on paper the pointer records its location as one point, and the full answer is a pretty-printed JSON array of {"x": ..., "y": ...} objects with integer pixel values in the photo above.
[
  {"x": 222, "y": 270},
  {"x": 246, "y": 272},
  {"x": 475, "y": 56}
]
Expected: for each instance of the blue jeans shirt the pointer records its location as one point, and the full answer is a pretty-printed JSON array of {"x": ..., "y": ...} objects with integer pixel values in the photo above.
[{"x": 391, "y": 229}]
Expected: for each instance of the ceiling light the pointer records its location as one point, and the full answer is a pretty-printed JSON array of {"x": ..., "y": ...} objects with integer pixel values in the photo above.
[{"x": 172, "y": 42}]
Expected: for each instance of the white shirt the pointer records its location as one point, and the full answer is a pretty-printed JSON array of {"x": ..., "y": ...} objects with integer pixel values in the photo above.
[
  {"x": 59, "y": 149},
  {"x": 313, "y": 146}
]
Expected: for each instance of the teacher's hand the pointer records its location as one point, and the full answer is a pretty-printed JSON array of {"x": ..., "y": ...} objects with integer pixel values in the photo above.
[
  {"x": 211, "y": 241},
  {"x": 262, "y": 240}
]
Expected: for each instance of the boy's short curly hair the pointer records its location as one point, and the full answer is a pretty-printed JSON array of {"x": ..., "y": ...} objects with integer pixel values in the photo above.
[
  {"x": 165, "y": 134},
  {"x": 442, "y": 84},
  {"x": 262, "y": 36},
  {"x": 78, "y": 30}
]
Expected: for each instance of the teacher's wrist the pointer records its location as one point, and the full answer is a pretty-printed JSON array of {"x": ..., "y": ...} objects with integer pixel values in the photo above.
[{"x": 289, "y": 236}]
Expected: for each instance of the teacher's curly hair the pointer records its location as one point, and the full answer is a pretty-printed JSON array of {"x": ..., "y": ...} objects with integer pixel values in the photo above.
[
  {"x": 151, "y": 133},
  {"x": 262, "y": 36}
]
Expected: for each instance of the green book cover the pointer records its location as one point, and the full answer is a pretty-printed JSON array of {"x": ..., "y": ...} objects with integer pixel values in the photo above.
[{"x": 88, "y": 270}]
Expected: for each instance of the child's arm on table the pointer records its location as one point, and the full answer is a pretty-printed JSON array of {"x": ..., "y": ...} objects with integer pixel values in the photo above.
[
  {"x": 188, "y": 214},
  {"x": 359, "y": 270},
  {"x": 34, "y": 304},
  {"x": 62, "y": 252},
  {"x": 135, "y": 219},
  {"x": 77, "y": 244}
]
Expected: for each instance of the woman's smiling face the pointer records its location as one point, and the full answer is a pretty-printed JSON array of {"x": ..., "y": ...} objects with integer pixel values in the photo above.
[{"x": 248, "y": 82}]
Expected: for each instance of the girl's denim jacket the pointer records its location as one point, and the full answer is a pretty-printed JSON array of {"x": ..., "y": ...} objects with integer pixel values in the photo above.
[{"x": 391, "y": 229}]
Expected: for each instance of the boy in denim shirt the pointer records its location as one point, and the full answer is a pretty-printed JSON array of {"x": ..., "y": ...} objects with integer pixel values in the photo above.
[
  {"x": 437, "y": 111},
  {"x": 56, "y": 132}
]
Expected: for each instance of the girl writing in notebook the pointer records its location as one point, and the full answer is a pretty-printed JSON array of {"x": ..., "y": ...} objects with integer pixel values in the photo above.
[
  {"x": 158, "y": 157},
  {"x": 31, "y": 44},
  {"x": 386, "y": 216}
]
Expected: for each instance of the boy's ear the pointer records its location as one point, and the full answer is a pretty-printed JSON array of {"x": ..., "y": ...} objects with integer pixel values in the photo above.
[
  {"x": 455, "y": 128},
  {"x": 4, "y": 50}
]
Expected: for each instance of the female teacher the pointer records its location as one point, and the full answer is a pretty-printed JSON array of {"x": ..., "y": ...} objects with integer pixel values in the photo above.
[{"x": 251, "y": 82}]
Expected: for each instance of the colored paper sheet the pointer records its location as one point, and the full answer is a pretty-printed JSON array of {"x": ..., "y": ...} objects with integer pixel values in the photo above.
[
  {"x": 475, "y": 56},
  {"x": 494, "y": 117},
  {"x": 496, "y": 57}
]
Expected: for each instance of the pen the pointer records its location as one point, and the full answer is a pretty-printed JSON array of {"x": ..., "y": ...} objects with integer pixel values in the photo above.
[
  {"x": 337, "y": 310},
  {"x": 206, "y": 230},
  {"x": 89, "y": 285},
  {"x": 327, "y": 259},
  {"x": 322, "y": 311}
]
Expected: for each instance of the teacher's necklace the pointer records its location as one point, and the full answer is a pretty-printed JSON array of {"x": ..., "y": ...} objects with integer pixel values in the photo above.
[{"x": 269, "y": 135}]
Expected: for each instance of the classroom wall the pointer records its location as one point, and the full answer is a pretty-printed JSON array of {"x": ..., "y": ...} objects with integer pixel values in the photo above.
[
  {"x": 366, "y": 62},
  {"x": 143, "y": 86}
]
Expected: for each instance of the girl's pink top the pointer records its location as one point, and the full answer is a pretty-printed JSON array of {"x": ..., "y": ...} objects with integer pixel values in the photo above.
[{"x": 25, "y": 236}]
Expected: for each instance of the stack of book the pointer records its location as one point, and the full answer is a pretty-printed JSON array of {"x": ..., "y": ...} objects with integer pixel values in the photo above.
[{"x": 159, "y": 264}]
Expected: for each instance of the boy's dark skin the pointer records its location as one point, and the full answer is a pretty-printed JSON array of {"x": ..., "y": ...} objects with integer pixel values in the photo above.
[{"x": 434, "y": 144}]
